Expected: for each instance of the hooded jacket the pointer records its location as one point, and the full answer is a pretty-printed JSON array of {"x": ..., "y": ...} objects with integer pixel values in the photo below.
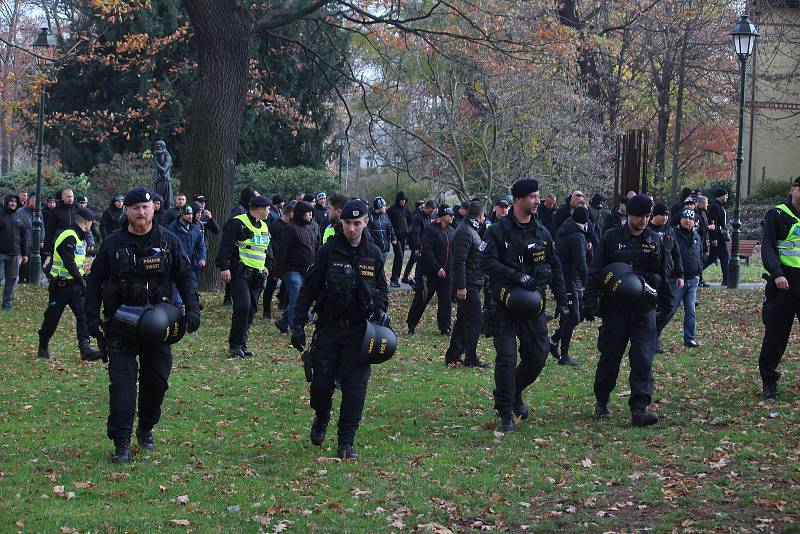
[
  {"x": 298, "y": 244},
  {"x": 673, "y": 255},
  {"x": 13, "y": 231},
  {"x": 691, "y": 252},
  {"x": 437, "y": 243},
  {"x": 380, "y": 227},
  {"x": 467, "y": 256},
  {"x": 191, "y": 238},
  {"x": 400, "y": 217},
  {"x": 419, "y": 221},
  {"x": 111, "y": 219},
  {"x": 321, "y": 215},
  {"x": 61, "y": 218},
  {"x": 571, "y": 249},
  {"x": 244, "y": 202},
  {"x": 562, "y": 214}
]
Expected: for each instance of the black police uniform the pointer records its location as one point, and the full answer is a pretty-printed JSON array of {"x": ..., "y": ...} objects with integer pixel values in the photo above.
[
  {"x": 348, "y": 285},
  {"x": 512, "y": 250},
  {"x": 137, "y": 270},
  {"x": 781, "y": 306},
  {"x": 467, "y": 275},
  {"x": 246, "y": 283},
  {"x": 647, "y": 256},
  {"x": 63, "y": 292}
]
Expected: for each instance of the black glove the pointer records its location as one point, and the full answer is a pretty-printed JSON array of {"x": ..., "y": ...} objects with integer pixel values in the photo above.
[
  {"x": 588, "y": 311},
  {"x": 525, "y": 281},
  {"x": 82, "y": 282},
  {"x": 93, "y": 324},
  {"x": 381, "y": 318},
  {"x": 192, "y": 321},
  {"x": 299, "y": 338},
  {"x": 563, "y": 309}
]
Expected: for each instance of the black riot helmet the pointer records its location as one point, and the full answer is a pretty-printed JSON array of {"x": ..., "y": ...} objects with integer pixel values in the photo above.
[
  {"x": 522, "y": 303},
  {"x": 622, "y": 285},
  {"x": 378, "y": 345},
  {"x": 162, "y": 323}
]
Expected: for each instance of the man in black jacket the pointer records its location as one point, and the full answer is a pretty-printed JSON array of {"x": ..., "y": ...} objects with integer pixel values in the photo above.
[
  {"x": 596, "y": 207},
  {"x": 419, "y": 220},
  {"x": 380, "y": 227},
  {"x": 321, "y": 210},
  {"x": 468, "y": 281},
  {"x": 13, "y": 247},
  {"x": 436, "y": 261},
  {"x": 691, "y": 256},
  {"x": 640, "y": 247},
  {"x": 571, "y": 247},
  {"x": 617, "y": 217},
  {"x": 111, "y": 220},
  {"x": 401, "y": 220},
  {"x": 718, "y": 233},
  {"x": 674, "y": 267},
  {"x": 348, "y": 285},
  {"x": 60, "y": 218},
  {"x": 518, "y": 251},
  {"x": 547, "y": 210},
  {"x": 276, "y": 228},
  {"x": 174, "y": 212},
  {"x": 137, "y": 266},
  {"x": 299, "y": 243},
  {"x": 563, "y": 213},
  {"x": 242, "y": 261}
]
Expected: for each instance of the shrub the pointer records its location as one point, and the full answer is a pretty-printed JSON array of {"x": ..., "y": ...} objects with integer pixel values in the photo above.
[
  {"x": 284, "y": 181},
  {"x": 53, "y": 181},
  {"x": 771, "y": 191},
  {"x": 121, "y": 174}
]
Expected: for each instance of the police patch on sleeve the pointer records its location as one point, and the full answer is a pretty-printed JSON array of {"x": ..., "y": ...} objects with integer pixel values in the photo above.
[{"x": 483, "y": 246}]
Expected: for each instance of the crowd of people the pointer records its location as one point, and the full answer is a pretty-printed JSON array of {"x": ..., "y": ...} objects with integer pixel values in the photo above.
[{"x": 634, "y": 266}]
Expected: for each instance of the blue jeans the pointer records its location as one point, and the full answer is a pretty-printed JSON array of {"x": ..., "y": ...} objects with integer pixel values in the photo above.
[
  {"x": 688, "y": 295},
  {"x": 292, "y": 280}
]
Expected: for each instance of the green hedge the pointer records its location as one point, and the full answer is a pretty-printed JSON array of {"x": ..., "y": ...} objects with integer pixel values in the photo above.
[{"x": 284, "y": 181}]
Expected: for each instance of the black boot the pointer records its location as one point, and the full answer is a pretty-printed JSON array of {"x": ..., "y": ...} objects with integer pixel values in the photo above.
[
  {"x": 770, "y": 391},
  {"x": 347, "y": 452},
  {"x": 643, "y": 418},
  {"x": 566, "y": 359},
  {"x": 122, "y": 451},
  {"x": 521, "y": 410},
  {"x": 475, "y": 362},
  {"x": 318, "y": 429},
  {"x": 44, "y": 351},
  {"x": 506, "y": 421},
  {"x": 87, "y": 352},
  {"x": 601, "y": 410},
  {"x": 145, "y": 439},
  {"x": 235, "y": 352}
]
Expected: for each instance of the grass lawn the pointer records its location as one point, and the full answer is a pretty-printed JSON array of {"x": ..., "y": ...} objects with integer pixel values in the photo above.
[{"x": 233, "y": 455}]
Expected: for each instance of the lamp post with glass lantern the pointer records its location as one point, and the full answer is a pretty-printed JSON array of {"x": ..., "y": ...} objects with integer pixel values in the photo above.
[
  {"x": 744, "y": 38},
  {"x": 44, "y": 41}
]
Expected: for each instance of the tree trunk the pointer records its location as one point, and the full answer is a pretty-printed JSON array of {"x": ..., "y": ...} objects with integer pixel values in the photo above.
[
  {"x": 676, "y": 141},
  {"x": 664, "y": 86},
  {"x": 222, "y": 38}
]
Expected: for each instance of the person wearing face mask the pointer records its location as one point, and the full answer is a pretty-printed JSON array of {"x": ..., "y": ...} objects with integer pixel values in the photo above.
[
  {"x": 571, "y": 245},
  {"x": 13, "y": 247},
  {"x": 691, "y": 256},
  {"x": 67, "y": 285},
  {"x": 640, "y": 248},
  {"x": 111, "y": 221}
]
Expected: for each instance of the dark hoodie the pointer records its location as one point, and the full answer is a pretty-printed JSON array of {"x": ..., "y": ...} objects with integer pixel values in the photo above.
[
  {"x": 571, "y": 248},
  {"x": 244, "y": 202},
  {"x": 400, "y": 216},
  {"x": 13, "y": 232},
  {"x": 299, "y": 243},
  {"x": 596, "y": 206},
  {"x": 562, "y": 214},
  {"x": 61, "y": 218},
  {"x": 111, "y": 220}
]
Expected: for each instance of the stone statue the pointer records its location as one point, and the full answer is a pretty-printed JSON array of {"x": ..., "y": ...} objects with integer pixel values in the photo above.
[{"x": 162, "y": 177}]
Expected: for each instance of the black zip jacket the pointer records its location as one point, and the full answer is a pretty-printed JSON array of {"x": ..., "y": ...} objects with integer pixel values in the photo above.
[
  {"x": 673, "y": 258},
  {"x": 467, "y": 255},
  {"x": 381, "y": 230},
  {"x": 776, "y": 228},
  {"x": 401, "y": 220},
  {"x": 716, "y": 214},
  {"x": 13, "y": 231},
  {"x": 61, "y": 217},
  {"x": 299, "y": 243},
  {"x": 691, "y": 251},
  {"x": 561, "y": 214},
  {"x": 510, "y": 248},
  {"x": 571, "y": 248},
  {"x": 111, "y": 220},
  {"x": 419, "y": 221},
  {"x": 346, "y": 282},
  {"x": 436, "y": 249}
]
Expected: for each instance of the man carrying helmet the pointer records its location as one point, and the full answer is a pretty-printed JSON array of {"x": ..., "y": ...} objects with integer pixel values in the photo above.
[
  {"x": 517, "y": 252},
  {"x": 135, "y": 268},
  {"x": 628, "y": 315},
  {"x": 67, "y": 285},
  {"x": 242, "y": 261},
  {"x": 348, "y": 285}
]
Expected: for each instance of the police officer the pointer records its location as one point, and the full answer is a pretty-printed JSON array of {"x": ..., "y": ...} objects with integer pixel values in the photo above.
[
  {"x": 348, "y": 284},
  {"x": 137, "y": 266},
  {"x": 67, "y": 285},
  {"x": 242, "y": 260},
  {"x": 468, "y": 280},
  {"x": 635, "y": 244},
  {"x": 780, "y": 252},
  {"x": 517, "y": 250}
]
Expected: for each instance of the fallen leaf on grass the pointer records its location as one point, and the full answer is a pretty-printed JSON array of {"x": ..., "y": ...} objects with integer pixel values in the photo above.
[
  {"x": 182, "y": 499},
  {"x": 181, "y": 522},
  {"x": 587, "y": 463},
  {"x": 262, "y": 519},
  {"x": 769, "y": 503},
  {"x": 436, "y": 528},
  {"x": 85, "y": 485}
]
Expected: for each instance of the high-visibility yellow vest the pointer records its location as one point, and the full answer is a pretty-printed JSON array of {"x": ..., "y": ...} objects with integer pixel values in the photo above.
[
  {"x": 330, "y": 231},
  {"x": 789, "y": 247},
  {"x": 58, "y": 270},
  {"x": 253, "y": 251}
]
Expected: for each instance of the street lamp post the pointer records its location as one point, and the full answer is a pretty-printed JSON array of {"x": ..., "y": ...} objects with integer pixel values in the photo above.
[
  {"x": 44, "y": 41},
  {"x": 744, "y": 38},
  {"x": 341, "y": 141}
]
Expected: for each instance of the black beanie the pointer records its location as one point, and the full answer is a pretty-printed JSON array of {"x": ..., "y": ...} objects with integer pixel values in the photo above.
[
  {"x": 660, "y": 209},
  {"x": 639, "y": 205},
  {"x": 580, "y": 214}
]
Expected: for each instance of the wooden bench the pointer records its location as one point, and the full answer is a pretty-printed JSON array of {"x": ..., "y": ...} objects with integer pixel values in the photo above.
[{"x": 746, "y": 249}]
